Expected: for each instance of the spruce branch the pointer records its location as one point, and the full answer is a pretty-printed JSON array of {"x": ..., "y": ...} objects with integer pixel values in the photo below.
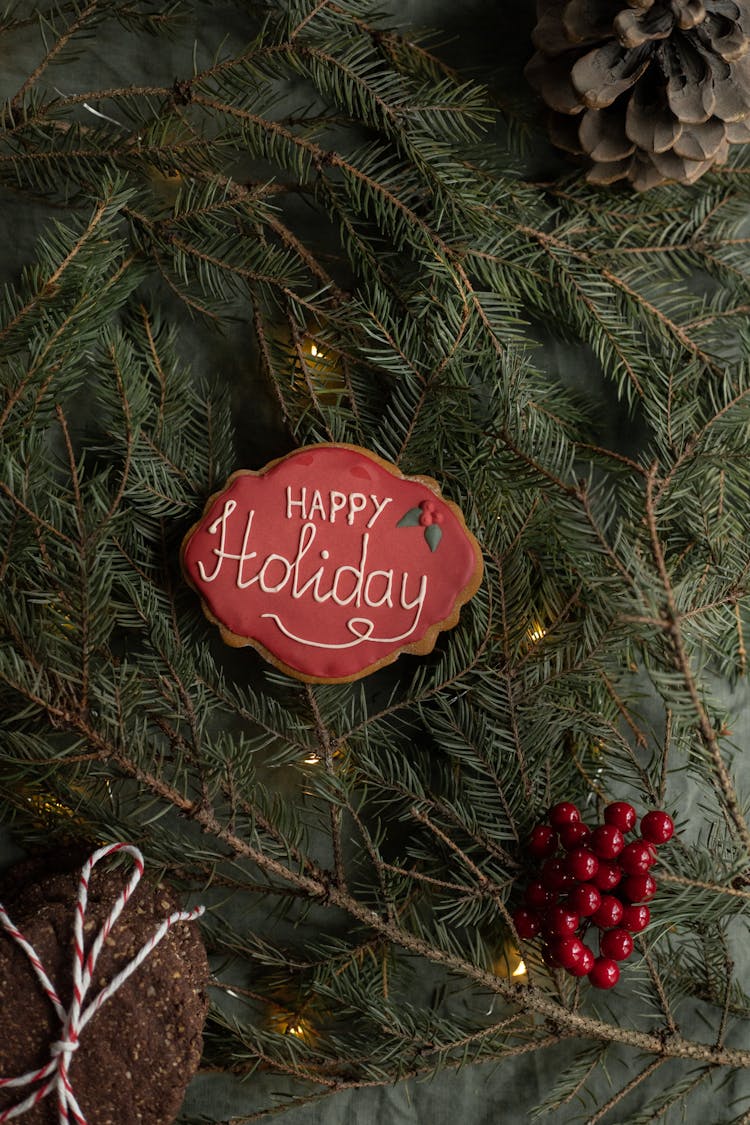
[{"x": 673, "y": 623}]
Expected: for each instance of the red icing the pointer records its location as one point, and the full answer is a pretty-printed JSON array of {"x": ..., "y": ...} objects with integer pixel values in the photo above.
[{"x": 303, "y": 559}]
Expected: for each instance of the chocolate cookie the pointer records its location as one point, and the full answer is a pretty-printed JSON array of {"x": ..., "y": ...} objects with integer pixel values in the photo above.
[{"x": 140, "y": 1050}]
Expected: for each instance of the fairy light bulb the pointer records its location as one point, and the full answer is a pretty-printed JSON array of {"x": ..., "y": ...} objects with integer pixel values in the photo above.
[
  {"x": 293, "y": 1024},
  {"x": 510, "y": 963},
  {"x": 323, "y": 369}
]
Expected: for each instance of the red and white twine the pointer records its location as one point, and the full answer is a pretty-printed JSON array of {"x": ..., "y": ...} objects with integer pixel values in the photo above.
[{"x": 55, "y": 1074}]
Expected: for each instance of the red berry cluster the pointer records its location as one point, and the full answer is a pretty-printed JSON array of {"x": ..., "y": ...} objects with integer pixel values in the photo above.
[
  {"x": 590, "y": 877},
  {"x": 430, "y": 513}
]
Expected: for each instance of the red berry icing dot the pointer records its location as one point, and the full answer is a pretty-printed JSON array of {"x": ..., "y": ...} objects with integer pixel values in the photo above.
[
  {"x": 430, "y": 513},
  {"x": 636, "y": 858},
  {"x": 605, "y": 973},
  {"x": 639, "y": 888},
  {"x": 585, "y": 899},
  {"x": 607, "y": 841},
  {"x": 635, "y": 918},
  {"x": 617, "y": 944},
  {"x": 582, "y": 864},
  {"x": 563, "y": 813},
  {"x": 542, "y": 841},
  {"x": 527, "y": 923},
  {"x": 621, "y": 815},
  {"x": 609, "y": 913},
  {"x": 657, "y": 827}
]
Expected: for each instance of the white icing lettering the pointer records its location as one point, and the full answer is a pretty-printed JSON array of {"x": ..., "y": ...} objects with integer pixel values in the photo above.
[
  {"x": 290, "y": 579},
  {"x": 260, "y": 577},
  {"x": 359, "y": 576},
  {"x": 379, "y": 506},
  {"x": 306, "y": 540},
  {"x": 352, "y": 503},
  {"x": 386, "y": 598},
  {"x": 301, "y": 504},
  {"x": 219, "y": 551},
  {"x": 241, "y": 584},
  {"x": 357, "y": 503},
  {"x": 361, "y": 628},
  {"x": 419, "y": 600},
  {"x": 337, "y": 501},
  {"x": 316, "y": 505}
]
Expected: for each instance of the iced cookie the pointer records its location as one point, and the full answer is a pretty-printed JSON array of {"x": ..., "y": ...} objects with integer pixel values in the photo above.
[{"x": 330, "y": 562}]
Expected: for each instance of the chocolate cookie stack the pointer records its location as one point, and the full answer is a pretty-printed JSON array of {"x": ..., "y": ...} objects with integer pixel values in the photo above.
[{"x": 139, "y": 1051}]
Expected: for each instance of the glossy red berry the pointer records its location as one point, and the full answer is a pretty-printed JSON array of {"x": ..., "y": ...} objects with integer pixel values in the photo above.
[
  {"x": 605, "y": 973},
  {"x": 568, "y": 950},
  {"x": 554, "y": 875},
  {"x": 636, "y": 858},
  {"x": 635, "y": 918},
  {"x": 607, "y": 841},
  {"x": 657, "y": 827},
  {"x": 574, "y": 835},
  {"x": 621, "y": 815},
  {"x": 563, "y": 813},
  {"x": 638, "y": 888},
  {"x": 559, "y": 921},
  {"x": 617, "y": 944},
  {"x": 542, "y": 841},
  {"x": 585, "y": 899},
  {"x": 536, "y": 895},
  {"x": 609, "y": 913},
  {"x": 527, "y": 922},
  {"x": 585, "y": 963},
  {"x": 608, "y": 876},
  {"x": 582, "y": 864}
]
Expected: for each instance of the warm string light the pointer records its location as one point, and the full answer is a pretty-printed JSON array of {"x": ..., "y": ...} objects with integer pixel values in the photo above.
[
  {"x": 47, "y": 807},
  {"x": 284, "y": 1022},
  {"x": 536, "y": 632},
  {"x": 312, "y": 758},
  {"x": 510, "y": 963},
  {"x": 323, "y": 369}
]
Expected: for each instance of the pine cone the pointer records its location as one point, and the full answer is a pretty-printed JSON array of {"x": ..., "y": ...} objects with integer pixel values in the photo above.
[{"x": 650, "y": 90}]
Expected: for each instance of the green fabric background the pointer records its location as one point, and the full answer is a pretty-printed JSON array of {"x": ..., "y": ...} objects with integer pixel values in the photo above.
[{"x": 488, "y": 39}]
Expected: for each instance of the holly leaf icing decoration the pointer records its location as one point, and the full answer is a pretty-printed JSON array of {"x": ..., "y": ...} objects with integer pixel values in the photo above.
[
  {"x": 433, "y": 534},
  {"x": 411, "y": 519}
]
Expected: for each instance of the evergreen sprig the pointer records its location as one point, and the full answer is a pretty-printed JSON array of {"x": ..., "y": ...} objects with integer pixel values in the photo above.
[{"x": 376, "y": 830}]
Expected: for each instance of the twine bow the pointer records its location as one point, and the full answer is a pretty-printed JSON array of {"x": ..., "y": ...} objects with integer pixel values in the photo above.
[{"x": 55, "y": 1074}]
